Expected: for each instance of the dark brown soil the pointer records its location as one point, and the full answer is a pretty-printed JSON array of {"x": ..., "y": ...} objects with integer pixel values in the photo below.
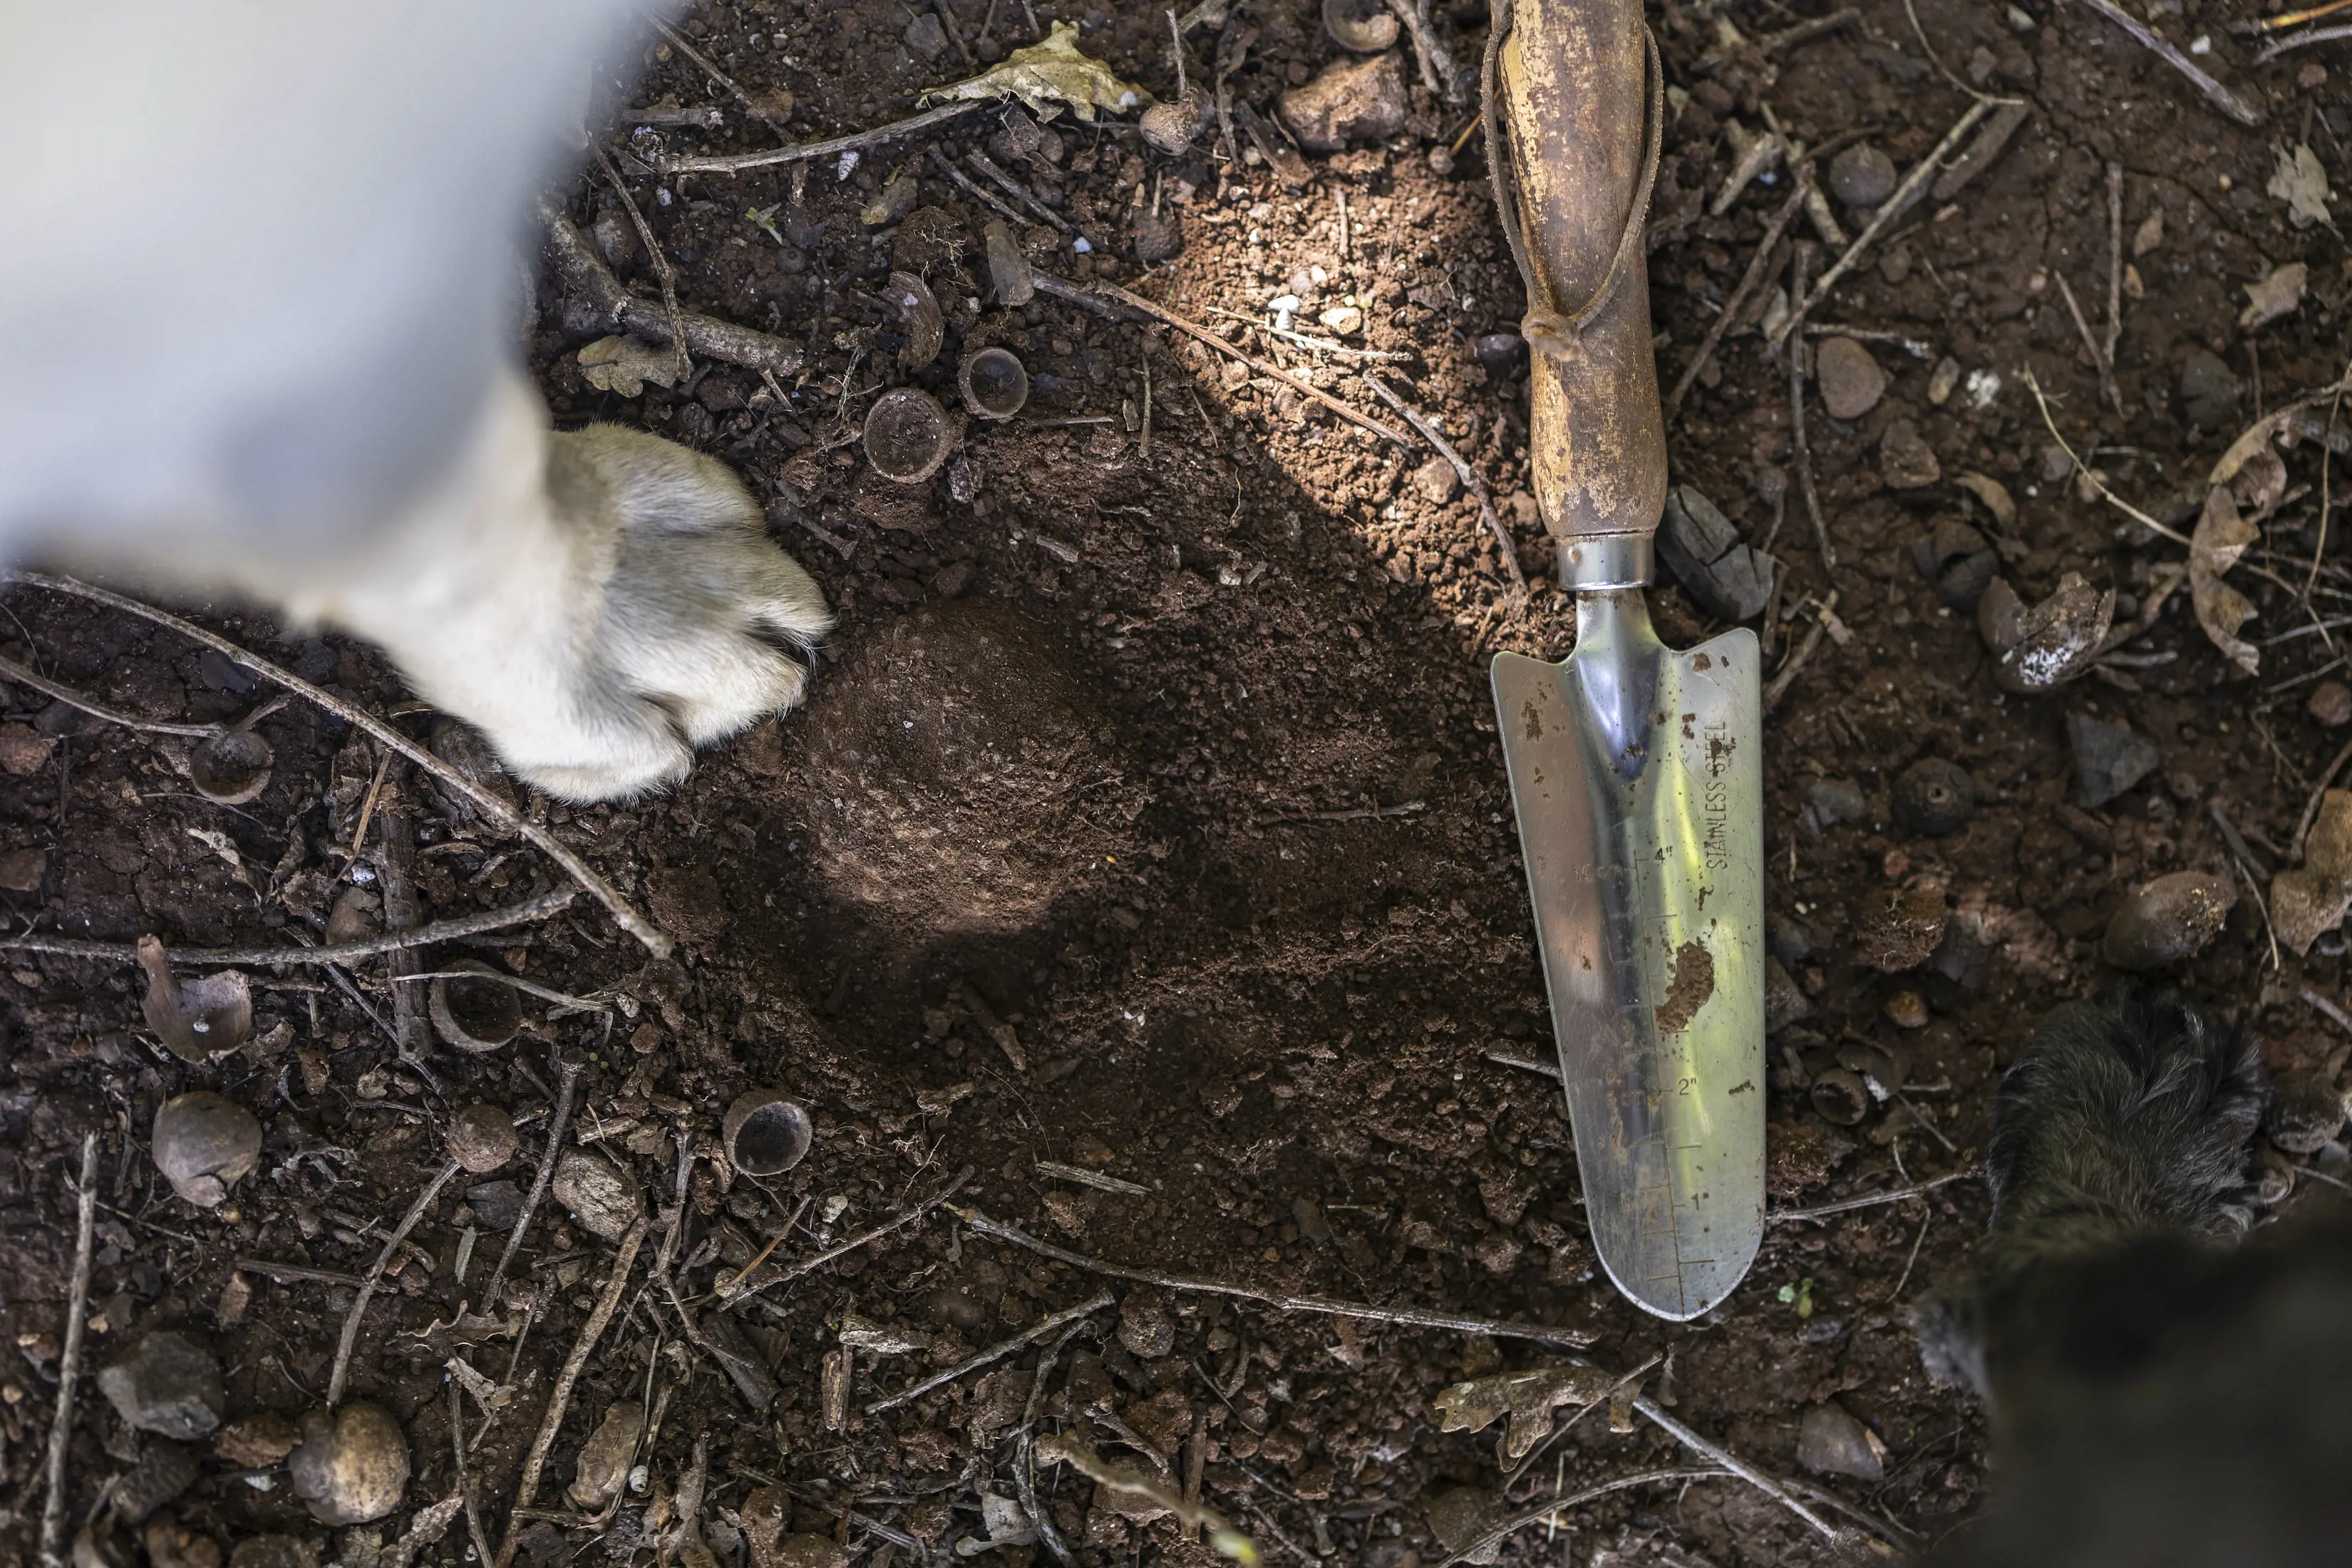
[{"x": 1147, "y": 819}]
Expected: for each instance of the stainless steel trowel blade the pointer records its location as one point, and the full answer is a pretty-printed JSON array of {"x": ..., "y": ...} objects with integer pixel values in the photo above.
[{"x": 1637, "y": 775}]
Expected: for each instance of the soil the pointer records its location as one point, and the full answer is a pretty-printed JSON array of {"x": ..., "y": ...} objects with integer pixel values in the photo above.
[{"x": 1147, "y": 819}]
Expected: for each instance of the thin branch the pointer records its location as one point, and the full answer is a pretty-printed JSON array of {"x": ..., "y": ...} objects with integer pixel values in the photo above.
[
  {"x": 758, "y": 111},
  {"x": 1847, "y": 1205},
  {"x": 1800, "y": 451},
  {"x": 53, "y": 1504},
  {"x": 450, "y": 930},
  {"x": 2082, "y": 468},
  {"x": 1748, "y": 281},
  {"x": 367, "y": 1287},
  {"x": 2221, "y": 96},
  {"x": 480, "y": 799},
  {"x": 97, "y": 710},
  {"x": 1410, "y": 1316},
  {"x": 1471, "y": 479},
  {"x": 734, "y": 1290},
  {"x": 736, "y": 162},
  {"x": 557, "y": 1125},
  {"x": 995, "y": 1353},
  {"x": 1552, "y": 1507},
  {"x": 2091, "y": 346},
  {"x": 1649, "y": 1410}
]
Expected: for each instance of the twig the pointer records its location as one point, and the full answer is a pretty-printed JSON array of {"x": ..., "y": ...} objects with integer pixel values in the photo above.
[
  {"x": 53, "y": 1503},
  {"x": 736, "y": 162},
  {"x": 2311, "y": 806},
  {"x": 2300, "y": 40},
  {"x": 963, "y": 183},
  {"x": 72, "y": 698},
  {"x": 2084, "y": 468},
  {"x": 664, "y": 273},
  {"x": 337, "y": 953},
  {"x": 2115, "y": 268},
  {"x": 583, "y": 273},
  {"x": 1847, "y": 1205},
  {"x": 2329, "y": 1010},
  {"x": 1525, "y": 1064},
  {"x": 1086, "y": 1178},
  {"x": 2293, "y": 18},
  {"x": 1410, "y": 1316},
  {"x": 954, "y": 33},
  {"x": 1800, "y": 451},
  {"x": 1094, "y": 298},
  {"x": 282, "y": 1272},
  {"x": 1437, "y": 69},
  {"x": 1756, "y": 266},
  {"x": 735, "y": 1290},
  {"x": 1936, "y": 59},
  {"x": 1320, "y": 345},
  {"x": 1925, "y": 1221},
  {"x": 1862, "y": 1516},
  {"x": 465, "y": 1488},
  {"x": 1793, "y": 666},
  {"x": 1649, "y": 1410},
  {"x": 760, "y": 111},
  {"x": 1471, "y": 479},
  {"x": 2091, "y": 346},
  {"x": 557, "y": 1125},
  {"x": 1224, "y": 1537},
  {"x": 995, "y": 1353},
  {"x": 1025, "y": 1473},
  {"x": 480, "y": 799},
  {"x": 367, "y": 1286},
  {"x": 2221, "y": 96},
  {"x": 526, "y": 1490},
  {"x": 564, "y": 999},
  {"x": 1893, "y": 207},
  {"x": 1020, "y": 191},
  {"x": 1353, "y": 813},
  {"x": 1552, "y": 1507}
]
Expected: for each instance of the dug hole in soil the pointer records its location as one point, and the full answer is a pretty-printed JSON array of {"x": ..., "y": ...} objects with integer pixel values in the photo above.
[{"x": 1147, "y": 823}]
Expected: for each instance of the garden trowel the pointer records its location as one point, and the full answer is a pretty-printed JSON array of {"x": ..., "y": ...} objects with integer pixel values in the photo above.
[{"x": 1636, "y": 770}]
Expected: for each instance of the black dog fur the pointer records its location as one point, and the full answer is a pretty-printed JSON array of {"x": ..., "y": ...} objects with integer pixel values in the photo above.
[{"x": 2160, "y": 1397}]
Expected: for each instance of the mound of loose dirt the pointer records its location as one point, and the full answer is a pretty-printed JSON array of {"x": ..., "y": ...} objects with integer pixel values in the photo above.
[{"x": 961, "y": 775}]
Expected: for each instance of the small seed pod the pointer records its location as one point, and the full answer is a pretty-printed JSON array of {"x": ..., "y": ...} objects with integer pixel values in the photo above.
[
  {"x": 765, "y": 1133},
  {"x": 1173, "y": 125},
  {"x": 919, "y": 310},
  {"x": 472, "y": 1014},
  {"x": 204, "y": 1144},
  {"x": 995, "y": 382},
  {"x": 1934, "y": 795},
  {"x": 481, "y": 1137},
  {"x": 1361, "y": 27},
  {"x": 230, "y": 768},
  {"x": 907, "y": 436},
  {"x": 1841, "y": 1096}
]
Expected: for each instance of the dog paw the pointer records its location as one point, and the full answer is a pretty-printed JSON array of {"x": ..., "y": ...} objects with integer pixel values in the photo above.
[{"x": 2127, "y": 1119}]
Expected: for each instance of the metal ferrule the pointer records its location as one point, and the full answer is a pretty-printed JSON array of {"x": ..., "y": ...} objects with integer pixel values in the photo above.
[{"x": 1605, "y": 561}]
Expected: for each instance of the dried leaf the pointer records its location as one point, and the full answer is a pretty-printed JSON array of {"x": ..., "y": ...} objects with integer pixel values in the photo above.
[
  {"x": 2309, "y": 902},
  {"x": 2279, "y": 292},
  {"x": 1048, "y": 75},
  {"x": 2301, "y": 182},
  {"x": 623, "y": 365},
  {"x": 1528, "y": 1397},
  {"x": 2222, "y": 535},
  {"x": 1992, "y": 493}
]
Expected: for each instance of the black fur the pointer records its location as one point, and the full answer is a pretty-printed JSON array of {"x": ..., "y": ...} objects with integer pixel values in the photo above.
[{"x": 2158, "y": 1397}]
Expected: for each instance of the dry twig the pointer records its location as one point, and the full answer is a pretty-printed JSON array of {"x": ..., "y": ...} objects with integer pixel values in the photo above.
[
  {"x": 583, "y": 273},
  {"x": 526, "y": 1490},
  {"x": 1552, "y": 1507},
  {"x": 2092, "y": 346},
  {"x": 995, "y": 1353},
  {"x": 52, "y": 1502},
  {"x": 2221, "y": 96},
  {"x": 1410, "y": 1316},
  {"x": 480, "y": 799},
  {"x": 97, "y": 710},
  {"x": 1756, "y": 266},
  {"x": 760, "y": 111},
  {"x": 664, "y": 273},
  {"x": 736, "y": 162},
  {"x": 450, "y": 930},
  {"x": 367, "y": 1286},
  {"x": 558, "y": 1123},
  {"x": 734, "y": 1290},
  {"x": 1649, "y": 1410},
  {"x": 1847, "y": 1205},
  {"x": 1471, "y": 479},
  {"x": 2114, "y": 268},
  {"x": 1800, "y": 451}
]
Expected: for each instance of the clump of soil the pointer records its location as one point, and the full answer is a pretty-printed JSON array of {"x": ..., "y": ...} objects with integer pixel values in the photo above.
[{"x": 962, "y": 774}]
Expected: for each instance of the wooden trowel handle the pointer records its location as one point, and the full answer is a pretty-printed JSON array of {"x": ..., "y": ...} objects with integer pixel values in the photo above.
[{"x": 1572, "y": 81}]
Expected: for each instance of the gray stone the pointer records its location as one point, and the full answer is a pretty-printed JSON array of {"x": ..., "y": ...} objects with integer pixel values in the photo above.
[
  {"x": 1832, "y": 801},
  {"x": 925, "y": 38},
  {"x": 1144, "y": 1326},
  {"x": 1727, "y": 577},
  {"x": 1436, "y": 481},
  {"x": 1862, "y": 176},
  {"x": 1784, "y": 1000},
  {"x": 1906, "y": 461},
  {"x": 2209, "y": 392},
  {"x": 602, "y": 1197},
  {"x": 1832, "y": 1442},
  {"x": 1851, "y": 382},
  {"x": 1353, "y": 101},
  {"x": 166, "y": 1383},
  {"x": 2109, "y": 759}
]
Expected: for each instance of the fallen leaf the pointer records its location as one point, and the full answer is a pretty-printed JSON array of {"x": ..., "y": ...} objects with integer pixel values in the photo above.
[
  {"x": 1992, "y": 493},
  {"x": 623, "y": 365},
  {"x": 2301, "y": 182},
  {"x": 2309, "y": 902},
  {"x": 1528, "y": 1397},
  {"x": 2148, "y": 234},
  {"x": 2279, "y": 292},
  {"x": 1048, "y": 75},
  {"x": 2049, "y": 643},
  {"x": 2222, "y": 535}
]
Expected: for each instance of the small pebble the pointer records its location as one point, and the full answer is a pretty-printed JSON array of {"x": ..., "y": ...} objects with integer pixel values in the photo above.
[
  {"x": 925, "y": 38},
  {"x": 602, "y": 1197},
  {"x": 605, "y": 1459},
  {"x": 1503, "y": 353},
  {"x": 1346, "y": 321},
  {"x": 1832, "y": 1442},
  {"x": 2169, "y": 920},
  {"x": 1835, "y": 801},
  {"x": 1351, "y": 100},
  {"x": 256, "y": 1442},
  {"x": 1157, "y": 236},
  {"x": 481, "y": 1137},
  {"x": 1436, "y": 481},
  {"x": 1785, "y": 1002},
  {"x": 1906, "y": 461},
  {"x": 2331, "y": 704},
  {"x": 1934, "y": 796},
  {"x": 2209, "y": 392},
  {"x": 205, "y": 1145},
  {"x": 1862, "y": 176},
  {"x": 351, "y": 1465},
  {"x": 2305, "y": 1113},
  {"x": 1942, "y": 380},
  {"x": 1907, "y": 1009},
  {"x": 2109, "y": 759},
  {"x": 166, "y": 1383},
  {"x": 1851, "y": 382},
  {"x": 1144, "y": 1326}
]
